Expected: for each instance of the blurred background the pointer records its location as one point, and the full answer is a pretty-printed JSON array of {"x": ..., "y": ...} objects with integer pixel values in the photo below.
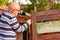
[
  {"x": 43, "y": 7},
  {"x": 28, "y": 5}
]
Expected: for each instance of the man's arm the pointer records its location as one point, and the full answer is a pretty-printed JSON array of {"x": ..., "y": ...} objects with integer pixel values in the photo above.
[
  {"x": 12, "y": 21},
  {"x": 17, "y": 27}
]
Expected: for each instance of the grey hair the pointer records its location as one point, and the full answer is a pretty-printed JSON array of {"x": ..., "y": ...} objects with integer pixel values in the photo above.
[{"x": 14, "y": 5}]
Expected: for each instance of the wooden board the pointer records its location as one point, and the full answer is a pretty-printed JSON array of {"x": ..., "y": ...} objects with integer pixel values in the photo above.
[
  {"x": 21, "y": 20},
  {"x": 48, "y": 15},
  {"x": 51, "y": 36},
  {"x": 33, "y": 31},
  {"x": 48, "y": 27}
]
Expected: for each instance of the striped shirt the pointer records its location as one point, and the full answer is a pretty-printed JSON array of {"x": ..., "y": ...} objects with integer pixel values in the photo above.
[{"x": 9, "y": 26}]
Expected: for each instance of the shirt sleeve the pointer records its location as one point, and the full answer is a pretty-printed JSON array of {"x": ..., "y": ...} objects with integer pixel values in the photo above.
[
  {"x": 16, "y": 26},
  {"x": 13, "y": 22}
]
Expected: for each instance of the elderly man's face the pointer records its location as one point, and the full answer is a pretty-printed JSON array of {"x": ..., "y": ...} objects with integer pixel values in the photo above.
[
  {"x": 15, "y": 11},
  {"x": 14, "y": 8}
]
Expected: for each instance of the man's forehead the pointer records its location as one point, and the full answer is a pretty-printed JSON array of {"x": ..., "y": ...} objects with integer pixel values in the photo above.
[{"x": 14, "y": 5}]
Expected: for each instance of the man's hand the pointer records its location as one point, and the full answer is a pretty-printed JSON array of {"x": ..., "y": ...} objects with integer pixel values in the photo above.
[
  {"x": 28, "y": 15},
  {"x": 29, "y": 21}
]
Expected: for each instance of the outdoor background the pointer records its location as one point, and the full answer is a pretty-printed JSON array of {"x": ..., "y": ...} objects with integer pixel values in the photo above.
[{"x": 42, "y": 5}]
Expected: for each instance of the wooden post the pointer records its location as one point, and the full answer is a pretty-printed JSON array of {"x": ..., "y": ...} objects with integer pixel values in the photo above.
[
  {"x": 19, "y": 36},
  {"x": 33, "y": 31},
  {"x": 21, "y": 19}
]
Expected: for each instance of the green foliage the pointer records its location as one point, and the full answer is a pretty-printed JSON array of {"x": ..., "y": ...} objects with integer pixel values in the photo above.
[
  {"x": 29, "y": 8},
  {"x": 42, "y": 2},
  {"x": 40, "y": 6},
  {"x": 56, "y": 6},
  {"x": 3, "y": 2}
]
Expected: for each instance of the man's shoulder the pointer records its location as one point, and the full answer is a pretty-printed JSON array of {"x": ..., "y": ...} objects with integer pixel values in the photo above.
[{"x": 7, "y": 14}]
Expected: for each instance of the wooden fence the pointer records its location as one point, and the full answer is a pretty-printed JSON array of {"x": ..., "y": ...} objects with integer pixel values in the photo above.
[{"x": 40, "y": 17}]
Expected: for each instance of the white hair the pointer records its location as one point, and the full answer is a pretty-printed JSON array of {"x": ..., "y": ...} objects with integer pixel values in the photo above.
[{"x": 14, "y": 5}]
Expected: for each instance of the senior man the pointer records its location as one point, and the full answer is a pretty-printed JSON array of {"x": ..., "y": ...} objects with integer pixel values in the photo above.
[{"x": 9, "y": 24}]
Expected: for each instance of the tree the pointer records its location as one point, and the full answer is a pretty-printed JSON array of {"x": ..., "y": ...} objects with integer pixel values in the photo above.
[{"x": 3, "y": 2}]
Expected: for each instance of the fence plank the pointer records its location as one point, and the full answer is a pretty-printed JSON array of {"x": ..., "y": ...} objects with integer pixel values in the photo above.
[
  {"x": 33, "y": 34},
  {"x": 19, "y": 36}
]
